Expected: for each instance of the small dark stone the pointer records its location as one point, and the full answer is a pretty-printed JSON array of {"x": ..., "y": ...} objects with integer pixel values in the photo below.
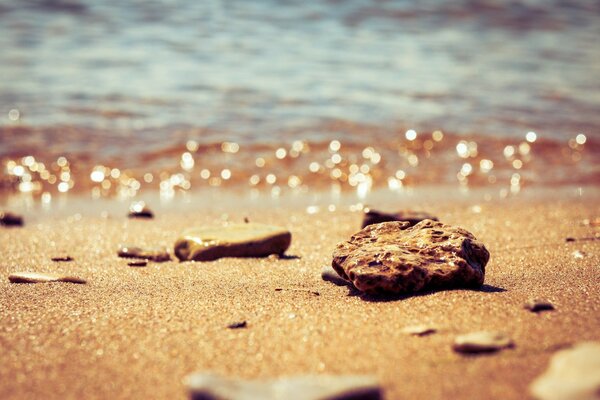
[
  {"x": 10, "y": 219},
  {"x": 412, "y": 217},
  {"x": 140, "y": 263},
  {"x": 139, "y": 209},
  {"x": 537, "y": 305},
  {"x": 62, "y": 258},
  {"x": 238, "y": 325},
  {"x": 570, "y": 239}
]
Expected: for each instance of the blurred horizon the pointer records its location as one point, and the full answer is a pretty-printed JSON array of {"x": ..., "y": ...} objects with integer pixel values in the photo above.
[{"x": 136, "y": 85}]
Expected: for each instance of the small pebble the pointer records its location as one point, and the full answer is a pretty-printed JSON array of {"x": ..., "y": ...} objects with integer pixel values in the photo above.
[
  {"x": 570, "y": 239},
  {"x": 572, "y": 374},
  {"x": 328, "y": 274},
  {"x": 537, "y": 305},
  {"x": 481, "y": 342},
  {"x": 138, "y": 209},
  {"x": 207, "y": 386},
  {"x": 237, "y": 325},
  {"x": 592, "y": 222},
  {"x": 10, "y": 219},
  {"x": 155, "y": 254},
  {"x": 36, "y": 277},
  {"x": 62, "y": 258},
  {"x": 419, "y": 330},
  {"x": 578, "y": 254},
  {"x": 140, "y": 263}
]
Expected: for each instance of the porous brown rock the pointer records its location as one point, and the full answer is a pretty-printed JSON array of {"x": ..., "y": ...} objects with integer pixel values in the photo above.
[
  {"x": 235, "y": 240},
  {"x": 395, "y": 258},
  {"x": 412, "y": 217}
]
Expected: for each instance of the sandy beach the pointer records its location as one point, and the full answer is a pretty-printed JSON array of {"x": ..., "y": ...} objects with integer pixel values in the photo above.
[{"x": 137, "y": 332}]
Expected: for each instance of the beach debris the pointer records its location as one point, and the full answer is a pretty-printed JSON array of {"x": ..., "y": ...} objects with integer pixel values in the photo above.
[
  {"x": 591, "y": 222},
  {"x": 139, "y": 209},
  {"x": 412, "y": 217},
  {"x": 208, "y": 386},
  {"x": 578, "y": 254},
  {"x": 582, "y": 239},
  {"x": 37, "y": 277},
  {"x": 482, "y": 342},
  {"x": 10, "y": 219},
  {"x": 314, "y": 293},
  {"x": 537, "y": 305},
  {"x": 158, "y": 254},
  {"x": 419, "y": 330},
  {"x": 330, "y": 275},
  {"x": 395, "y": 258},
  {"x": 61, "y": 258},
  {"x": 138, "y": 263},
  {"x": 235, "y": 240},
  {"x": 237, "y": 325},
  {"x": 573, "y": 373}
]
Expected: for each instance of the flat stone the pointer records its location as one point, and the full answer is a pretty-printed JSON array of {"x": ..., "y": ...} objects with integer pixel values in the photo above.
[
  {"x": 236, "y": 240},
  {"x": 537, "y": 305},
  {"x": 395, "y": 258},
  {"x": 419, "y": 330},
  {"x": 412, "y": 217},
  {"x": 36, "y": 277},
  {"x": 482, "y": 342},
  {"x": 206, "y": 386},
  {"x": 10, "y": 219},
  {"x": 138, "y": 209},
  {"x": 154, "y": 254},
  {"x": 330, "y": 275},
  {"x": 572, "y": 374}
]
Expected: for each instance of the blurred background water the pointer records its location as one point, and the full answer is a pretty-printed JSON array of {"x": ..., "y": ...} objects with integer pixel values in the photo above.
[{"x": 122, "y": 81}]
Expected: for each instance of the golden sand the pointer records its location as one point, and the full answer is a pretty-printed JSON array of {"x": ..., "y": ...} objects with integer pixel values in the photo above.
[{"x": 137, "y": 332}]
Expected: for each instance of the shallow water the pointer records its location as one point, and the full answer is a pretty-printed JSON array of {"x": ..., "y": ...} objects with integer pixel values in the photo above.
[{"x": 126, "y": 85}]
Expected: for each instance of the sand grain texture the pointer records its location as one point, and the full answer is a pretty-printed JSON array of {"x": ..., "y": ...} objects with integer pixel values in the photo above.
[{"x": 137, "y": 332}]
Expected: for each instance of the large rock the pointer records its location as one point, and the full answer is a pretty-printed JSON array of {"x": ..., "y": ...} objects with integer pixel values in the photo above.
[
  {"x": 393, "y": 257},
  {"x": 412, "y": 217},
  {"x": 573, "y": 374},
  {"x": 202, "y": 386},
  {"x": 237, "y": 240}
]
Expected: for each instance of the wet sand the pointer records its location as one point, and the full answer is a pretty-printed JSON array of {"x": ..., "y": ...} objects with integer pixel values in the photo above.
[{"x": 137, "y": 332}]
